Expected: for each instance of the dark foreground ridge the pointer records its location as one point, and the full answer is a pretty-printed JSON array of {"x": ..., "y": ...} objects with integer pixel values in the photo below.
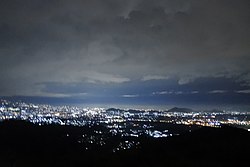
[{"x": 26, "y": 144}]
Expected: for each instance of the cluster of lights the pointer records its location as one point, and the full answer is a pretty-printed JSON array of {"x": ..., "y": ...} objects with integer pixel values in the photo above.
[{"x": 112, "y": 118}]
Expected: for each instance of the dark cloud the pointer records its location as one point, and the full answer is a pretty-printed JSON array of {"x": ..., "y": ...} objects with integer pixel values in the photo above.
[{"x": 117, "y": 42}]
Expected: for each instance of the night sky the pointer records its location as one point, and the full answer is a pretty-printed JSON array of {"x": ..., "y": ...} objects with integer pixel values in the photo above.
[{"x": 147, "y": 52}]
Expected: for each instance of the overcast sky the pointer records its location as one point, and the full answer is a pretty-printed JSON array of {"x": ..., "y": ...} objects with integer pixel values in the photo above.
[{"x": 126, "y": 51}]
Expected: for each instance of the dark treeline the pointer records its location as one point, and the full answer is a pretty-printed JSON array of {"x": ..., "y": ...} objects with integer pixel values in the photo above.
[{"x": 26, "y": 144}]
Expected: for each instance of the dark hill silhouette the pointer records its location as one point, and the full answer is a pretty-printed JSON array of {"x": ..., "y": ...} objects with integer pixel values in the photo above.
[
  {"x": 26, "y": 144},
  {"x": 177, "y": 109}
]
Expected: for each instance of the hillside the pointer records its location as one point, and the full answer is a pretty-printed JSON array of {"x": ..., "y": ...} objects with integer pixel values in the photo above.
[{"x": 26, "y": 144}]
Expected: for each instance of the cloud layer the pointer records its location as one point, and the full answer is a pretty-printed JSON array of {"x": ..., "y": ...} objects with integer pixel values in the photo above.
[{"x": 111, "y": 42}]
